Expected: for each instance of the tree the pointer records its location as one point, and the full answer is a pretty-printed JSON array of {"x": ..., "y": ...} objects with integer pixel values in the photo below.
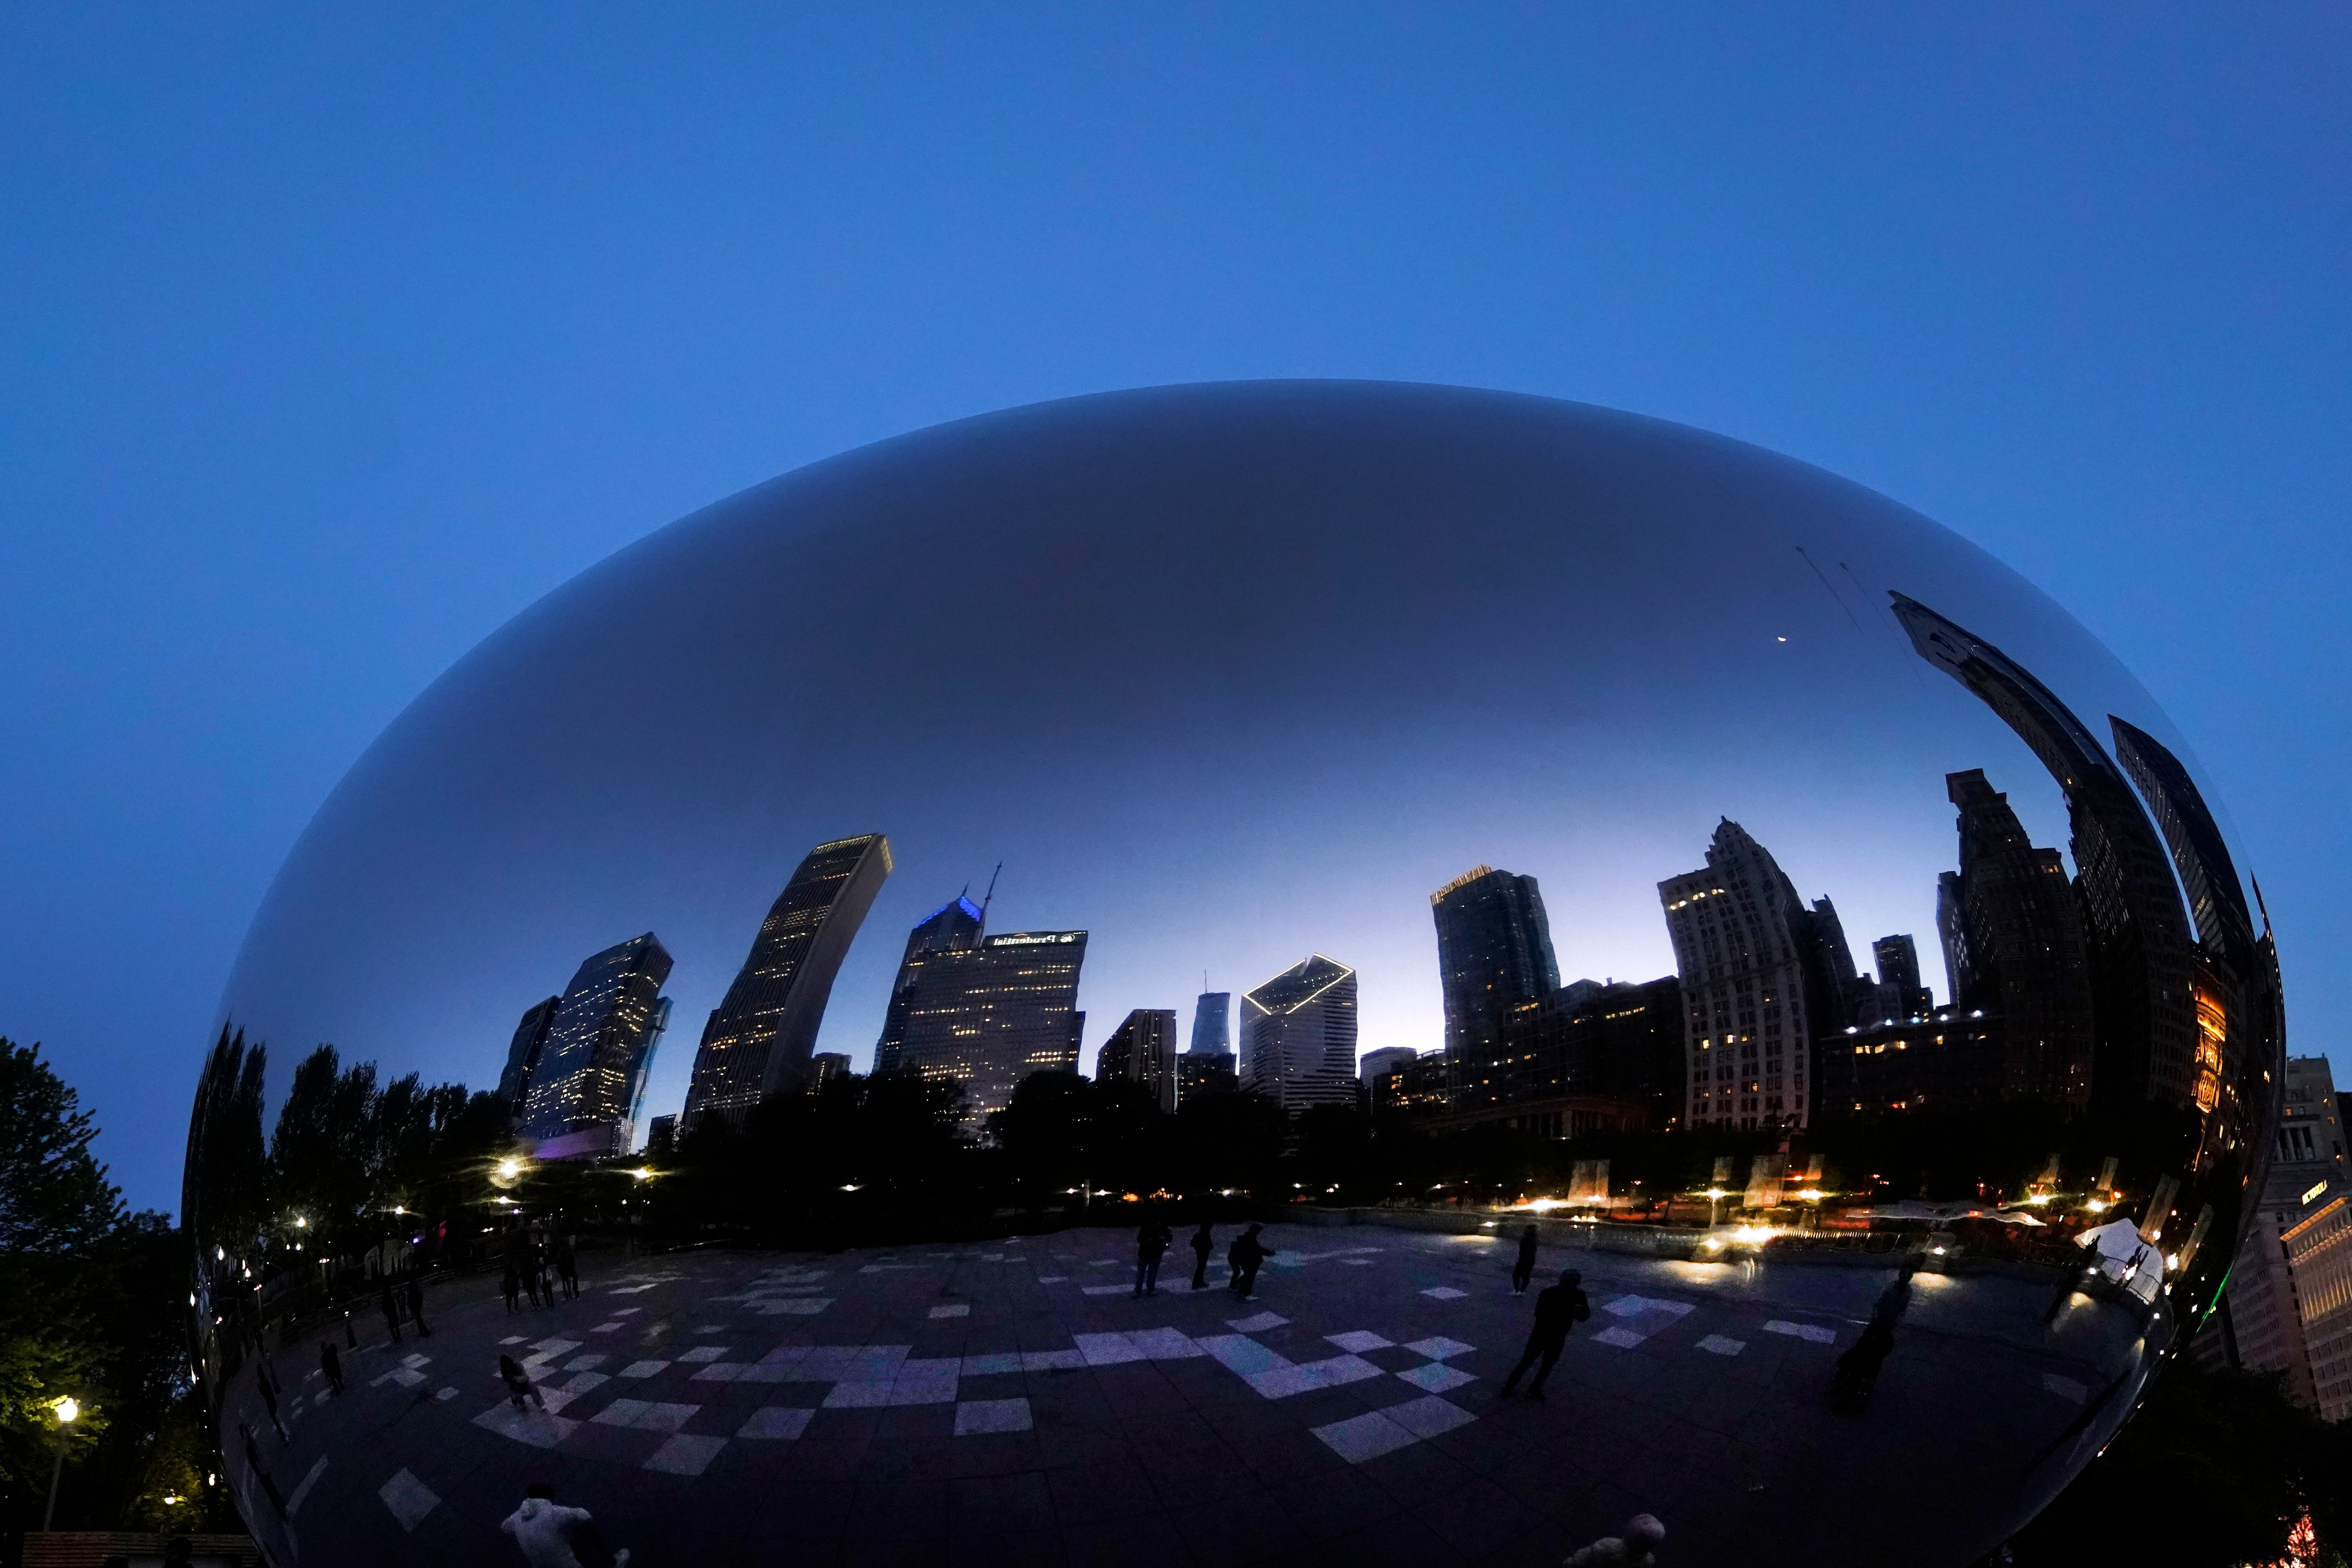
[{"x": 58, "y": 1215}]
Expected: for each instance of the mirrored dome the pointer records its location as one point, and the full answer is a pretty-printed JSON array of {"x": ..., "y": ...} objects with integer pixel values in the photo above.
[{"x": 1268, "y": 971}]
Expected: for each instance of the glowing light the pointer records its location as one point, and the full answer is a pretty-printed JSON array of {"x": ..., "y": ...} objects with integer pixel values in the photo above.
[
  {"x": 1812, "y": 1194},
  {"x": 1717, "y": 1193},
  {"x": 2095, "y": 1205},
  {"x": 643, "y": 1174},
  {"x": 509, "y": 1167},
  {"x": 68, "y": 1411},
  {"x": 300, "y": 1222}
]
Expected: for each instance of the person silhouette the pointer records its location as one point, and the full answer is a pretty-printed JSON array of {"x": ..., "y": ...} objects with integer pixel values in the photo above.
[
  {"x": 1524, "y": 1269},
  {"x": 416, "y": 1307},
  {"x": 1558, "y": 1310},
  {"x": 1151, "y": 1242},
  {"x": 1204, "y": 1242},
  {"x": 331, "y": 1363},
  {"x": 1243, "y": 1257},
  {"x": 391, "y": 1305},
  {"x": 519, "y": 1386}
]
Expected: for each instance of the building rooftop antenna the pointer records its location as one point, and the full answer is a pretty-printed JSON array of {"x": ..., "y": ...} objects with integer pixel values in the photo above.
[{"x": 991, "y": 896}]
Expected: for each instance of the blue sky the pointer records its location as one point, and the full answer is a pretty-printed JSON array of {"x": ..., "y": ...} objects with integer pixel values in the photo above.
[{"x": 329, "y": 342}]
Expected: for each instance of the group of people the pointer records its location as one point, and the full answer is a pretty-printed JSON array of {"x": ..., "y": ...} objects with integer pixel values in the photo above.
[
  {"x": 541, "y": 1267},
  {"x": 1241, "y": 1258}
]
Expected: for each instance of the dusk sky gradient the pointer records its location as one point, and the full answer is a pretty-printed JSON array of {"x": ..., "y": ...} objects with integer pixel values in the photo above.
[{"x": 327, "y": 344}]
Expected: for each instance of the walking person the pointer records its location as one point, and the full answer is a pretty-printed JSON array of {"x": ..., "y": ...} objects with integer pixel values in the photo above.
[
  {"x": 554, "y": 1536},
  {"x": 391, "y": 1305},
  {"x": 1151, "y": 1243},
  {"x": 567, "y": 1263},
  {"x": 1558, "y": 1310},
  {"x": 1243, "y": 1257},
  {"x": 519, "y": 1386},
  {"x": 416, "y": 1307},
  {"x": 1525, "y": 1268},
  {"x": 1203, "y": 1243},
  {"x": 332, "y": 1364}
]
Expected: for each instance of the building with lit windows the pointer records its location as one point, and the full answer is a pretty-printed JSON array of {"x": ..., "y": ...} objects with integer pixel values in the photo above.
[
  {"x": 2137, "y": 927},
  {"x": 1494, "y": 955},
  {"x": 1749, "y": 955},
  {"x": 1298, "y": 1036},
  {"x": 583, "y": 1096},
  {"x": 986, "y": 1017},
  {"x": 759, "y": 1036},
  {"x": 1142, "y": 1050},
  {"x": 956, "y": 926},
  {"x": 522, "y": 1053},
  {"x": 2288, "y": 1308},
  {"x": 1213, "y": 1029}
]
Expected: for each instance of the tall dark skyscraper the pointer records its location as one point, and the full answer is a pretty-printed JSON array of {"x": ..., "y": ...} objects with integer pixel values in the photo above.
[
  {"x": 581, "y": 1095},
  {"x": 1897, "y": 958},
  {"x": 991, "y": 1016},
  {"x": 759, "y": 1036},
  {"x": 2141, "y": 964},
  {"x": 1298, "y": 1036},
  {"x": 2241, "y": 1016},
  {"x": 1494, "y": 955},
  {"x": 1213, "y": 1031},
  {"x": 1142, "y": 1050},
  {"x": 1754, "y": 984},
  {"x": 522, "y": 1053},
  {"x": 956, "y": 926},
  {"x": 2018, "y": 949}
]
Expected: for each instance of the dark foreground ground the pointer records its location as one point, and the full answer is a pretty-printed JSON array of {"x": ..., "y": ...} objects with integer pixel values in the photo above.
[{"x": 1012, "y": 1403}]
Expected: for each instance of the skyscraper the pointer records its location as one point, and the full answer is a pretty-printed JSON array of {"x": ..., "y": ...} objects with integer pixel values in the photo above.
[
  {"x": 2016, "y": 947},
  {"x": 1897, "y": 958},
  {"x": 2288, "y": 1308},
  {"x": 522, "y": 1053},
  {"x": 2141, "y": 980},
  {"x": 1386, "y": 1059},
  {"x": 1142, "y": 1050},
  {"x": 989, "y": 1017},
  {"x": 759, "y": 1037},
  {"x": 955, "y": 926},
  {"x": 1298, "y": 1036},
  {"x": 1212, "y": 1032},
  {"x": 1494, "y": 955},
  {"x": 1749, "y": 954},
  {"x": 581, "y": 1095}
]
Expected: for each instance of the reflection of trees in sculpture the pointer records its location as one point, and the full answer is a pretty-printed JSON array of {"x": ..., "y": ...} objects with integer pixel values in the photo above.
[{"x": 223, "y": 1195}]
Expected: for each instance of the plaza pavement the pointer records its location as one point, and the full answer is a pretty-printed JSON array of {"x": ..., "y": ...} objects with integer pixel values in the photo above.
[{"x": 1011, "y": 1403}]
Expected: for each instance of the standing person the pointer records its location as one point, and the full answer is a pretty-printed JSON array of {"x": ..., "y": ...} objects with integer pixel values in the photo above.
[
  {"x": 1558, "y": 1310},
  {"x": 260, "y": 1470},
  {"x": 416, "y": 1307},
  {"x": 553, "y": 1536},
  {"x": 519, "y": 1386},
  {"x": 391, "y": 1305},
  {"x": 1525, "y": 1268},
  {"x": 513, "y": 1284},
  {"x": 332, "y": 1364},
  {"x": 567, "y": 1263},
  {"x": 1151, "y": 1243},
  {"x": 1243, "y": 1257},
  {"x": 1203, "y": 1243},
  {"x": 269, "y": 1403}
]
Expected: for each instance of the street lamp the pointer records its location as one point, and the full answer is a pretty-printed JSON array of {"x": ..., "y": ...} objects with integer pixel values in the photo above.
[{"x": 68, "y": 1411}]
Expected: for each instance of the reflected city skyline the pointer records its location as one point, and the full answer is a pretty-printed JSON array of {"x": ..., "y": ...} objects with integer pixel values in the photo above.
[{"x": 1550, "y": 818}]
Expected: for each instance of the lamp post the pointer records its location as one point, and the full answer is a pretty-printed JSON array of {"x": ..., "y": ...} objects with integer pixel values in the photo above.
[{"x": 66, "y": 1412}]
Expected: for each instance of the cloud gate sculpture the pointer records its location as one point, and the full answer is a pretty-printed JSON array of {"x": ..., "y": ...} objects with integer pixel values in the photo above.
[{"x": 722, "y": 1057}]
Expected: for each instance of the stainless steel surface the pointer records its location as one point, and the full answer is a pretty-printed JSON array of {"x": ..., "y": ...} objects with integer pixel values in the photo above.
[{"x": 1223, "y": 678}]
